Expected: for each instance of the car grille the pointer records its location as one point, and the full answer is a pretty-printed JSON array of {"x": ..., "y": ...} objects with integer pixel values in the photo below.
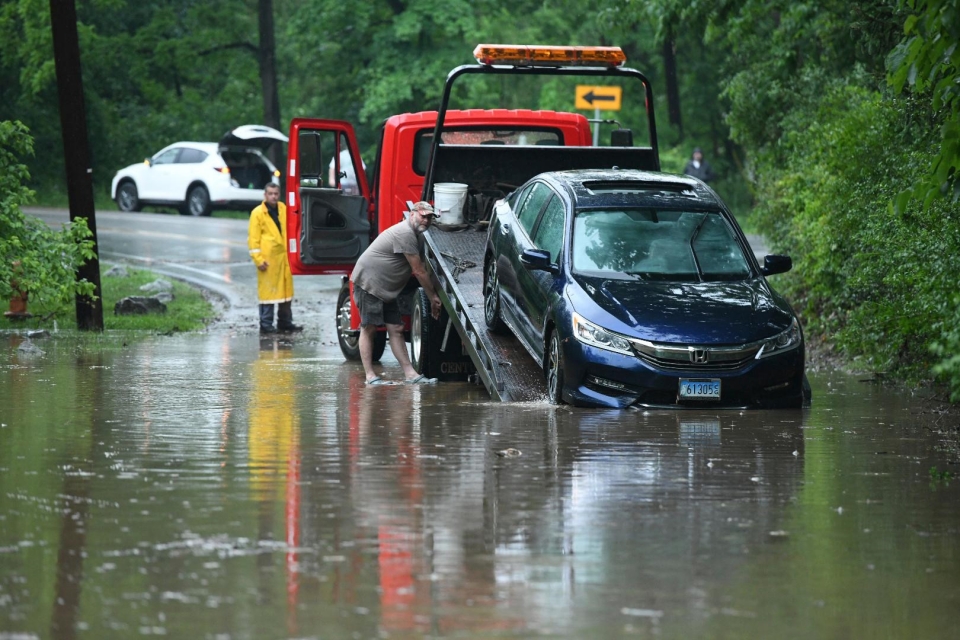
[{"x": 695, "y": 357}]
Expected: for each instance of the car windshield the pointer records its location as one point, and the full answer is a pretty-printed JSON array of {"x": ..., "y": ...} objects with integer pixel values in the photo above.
[{"x": 681, "y": 246}]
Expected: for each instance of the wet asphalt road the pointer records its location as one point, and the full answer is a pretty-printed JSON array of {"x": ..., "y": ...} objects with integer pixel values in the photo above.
[{"x": 216, "y": 485}]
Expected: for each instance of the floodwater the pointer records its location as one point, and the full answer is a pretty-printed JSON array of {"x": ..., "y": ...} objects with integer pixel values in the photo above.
[{"x": 217, "y": 486}]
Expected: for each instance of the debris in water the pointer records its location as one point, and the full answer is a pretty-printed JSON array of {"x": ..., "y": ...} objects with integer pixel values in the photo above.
[
  {"x": 642, "y": 613},
  {"x": 509, "y": 453}
]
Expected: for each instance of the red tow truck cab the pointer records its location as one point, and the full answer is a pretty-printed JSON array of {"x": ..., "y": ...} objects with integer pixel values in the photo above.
[
  {"x": 330, "y": 224},
  {"x": 329, "y": 227}
]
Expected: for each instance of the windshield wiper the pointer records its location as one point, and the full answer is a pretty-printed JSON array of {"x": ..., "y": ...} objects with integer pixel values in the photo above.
[{"x": 693, "y": 253}]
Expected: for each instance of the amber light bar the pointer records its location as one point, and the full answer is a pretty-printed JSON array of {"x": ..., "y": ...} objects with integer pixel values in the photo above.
[{"x": 536, "y": 55}]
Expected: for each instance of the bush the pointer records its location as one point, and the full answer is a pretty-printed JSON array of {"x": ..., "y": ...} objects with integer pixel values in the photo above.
[
  {"x": 33, "y": 257},
  {"x": 871, "y": 281}
]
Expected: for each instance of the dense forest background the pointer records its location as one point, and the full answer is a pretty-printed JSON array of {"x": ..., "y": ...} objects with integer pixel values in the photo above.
[{"x": 834, "y": 125}]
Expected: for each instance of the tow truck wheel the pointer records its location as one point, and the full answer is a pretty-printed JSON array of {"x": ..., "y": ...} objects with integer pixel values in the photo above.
[
  {"x": 553, "y": 368},
  {"x": 491, "y": 299},
  {"x": 349, "y": 340},
  {"x": 422, "y": 335}
]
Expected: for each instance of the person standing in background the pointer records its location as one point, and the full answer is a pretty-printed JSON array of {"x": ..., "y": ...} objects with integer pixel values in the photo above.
[
  {"x": 266, "y": 239},
  {"x": 698, "y": 167}
]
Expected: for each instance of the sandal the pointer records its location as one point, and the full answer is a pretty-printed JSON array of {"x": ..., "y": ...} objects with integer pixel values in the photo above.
[
  {"x": 376, "y": 381},
  {"x": 421, "y": 379}
]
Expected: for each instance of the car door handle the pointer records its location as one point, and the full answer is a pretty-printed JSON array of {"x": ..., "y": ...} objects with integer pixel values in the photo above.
[{"x": 504, "y": 229}]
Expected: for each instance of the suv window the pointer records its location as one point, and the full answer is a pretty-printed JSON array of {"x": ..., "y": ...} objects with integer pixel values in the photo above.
[
  {"x": 549, "y": 235},
  {"x": 191, "y": 156},
  {"x": 167, "y": 157},
  {"x": 532, "y": 205}
]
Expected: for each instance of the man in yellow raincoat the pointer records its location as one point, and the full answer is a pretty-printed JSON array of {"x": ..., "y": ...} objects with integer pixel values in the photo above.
[{"x": 268, "y": 248}]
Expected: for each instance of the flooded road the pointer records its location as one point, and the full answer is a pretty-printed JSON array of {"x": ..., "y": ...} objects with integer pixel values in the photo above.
[{"x": 217, "y": 486}]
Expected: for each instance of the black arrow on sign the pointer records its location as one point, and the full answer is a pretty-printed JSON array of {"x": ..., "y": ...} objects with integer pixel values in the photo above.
[{"x": 590, "y": 97}]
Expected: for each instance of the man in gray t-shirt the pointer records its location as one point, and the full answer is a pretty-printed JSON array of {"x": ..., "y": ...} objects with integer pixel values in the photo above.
[{"x": 379, "y": 277}]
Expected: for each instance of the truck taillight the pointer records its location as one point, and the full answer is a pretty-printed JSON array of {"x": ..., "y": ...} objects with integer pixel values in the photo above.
[{"x": 535, "y": 55}]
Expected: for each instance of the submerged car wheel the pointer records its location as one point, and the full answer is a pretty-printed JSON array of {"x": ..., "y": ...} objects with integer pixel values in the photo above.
[
  {"x": 198, "y": 201},
  {"x": 491, "y": 299},
  {"x": 349, "y": 340},
  {"x": 553, "y": 368},
  {"x": 128, "y": 198}
]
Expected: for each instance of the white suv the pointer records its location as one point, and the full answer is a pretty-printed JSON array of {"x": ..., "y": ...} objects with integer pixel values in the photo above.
[{"x": 197, "y": 177}]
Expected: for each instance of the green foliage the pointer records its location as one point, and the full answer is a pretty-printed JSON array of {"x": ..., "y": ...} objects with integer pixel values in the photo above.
[
  {"x": 927, "y": 61},
  {"x": 34, "y": 258},
  {"x": 871, "y": 281},
  {"x": 947, "y": 350}
]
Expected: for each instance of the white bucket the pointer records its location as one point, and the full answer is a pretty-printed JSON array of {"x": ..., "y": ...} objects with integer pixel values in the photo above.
[{"x": 449, "y": 198}]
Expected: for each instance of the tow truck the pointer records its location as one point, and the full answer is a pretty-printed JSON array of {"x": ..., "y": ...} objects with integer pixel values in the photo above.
[{"x": 493, "y": 151}]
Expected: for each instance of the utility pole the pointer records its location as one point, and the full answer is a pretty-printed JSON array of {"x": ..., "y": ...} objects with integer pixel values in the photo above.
[{"x": 76, "y": 150}]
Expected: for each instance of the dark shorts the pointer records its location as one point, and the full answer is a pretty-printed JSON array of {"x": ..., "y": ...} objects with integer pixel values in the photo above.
[{"x": 375, "y": 311}]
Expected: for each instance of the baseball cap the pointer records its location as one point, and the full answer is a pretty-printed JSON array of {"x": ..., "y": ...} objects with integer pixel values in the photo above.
[{"x": 425, "y": 208}]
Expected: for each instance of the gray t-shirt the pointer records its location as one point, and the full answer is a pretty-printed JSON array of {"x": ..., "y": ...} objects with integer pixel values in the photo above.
[{"x": 383, "y": 269}]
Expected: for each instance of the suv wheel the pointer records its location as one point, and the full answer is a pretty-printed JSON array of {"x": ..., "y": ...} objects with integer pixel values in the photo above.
[
  {"x": 198, "y": 201},
  {"x": 128, "y": 199}
]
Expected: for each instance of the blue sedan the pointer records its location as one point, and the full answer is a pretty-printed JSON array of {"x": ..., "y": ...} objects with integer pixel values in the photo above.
[{"x": 636, "y": 288}]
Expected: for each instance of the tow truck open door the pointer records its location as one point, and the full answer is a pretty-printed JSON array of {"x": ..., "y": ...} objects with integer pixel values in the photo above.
[{"x": 328, "y": 225}]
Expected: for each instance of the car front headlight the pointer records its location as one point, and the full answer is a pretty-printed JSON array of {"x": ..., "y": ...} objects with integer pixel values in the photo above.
[
  {"x": 596, "y": 336},
  {"x": 789, "y": 339}
]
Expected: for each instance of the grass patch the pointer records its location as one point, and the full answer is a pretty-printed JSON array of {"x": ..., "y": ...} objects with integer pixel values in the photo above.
[{"x": 188, "y": 311}]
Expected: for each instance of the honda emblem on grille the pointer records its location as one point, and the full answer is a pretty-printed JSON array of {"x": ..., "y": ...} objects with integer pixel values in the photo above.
[{"x": 699, "y": 356}]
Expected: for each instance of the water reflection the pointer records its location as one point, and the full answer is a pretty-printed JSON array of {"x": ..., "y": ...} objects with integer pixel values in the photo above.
[
  {"x": 208, "y": 486},
  {"x": 274, "y": 462}
]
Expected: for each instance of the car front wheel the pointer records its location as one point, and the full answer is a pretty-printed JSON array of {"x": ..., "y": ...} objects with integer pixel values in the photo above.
[
  {"x": 553, "y": 368},
  {"x": 128, "y": 199},
  {"x": 198, "y": 201}
]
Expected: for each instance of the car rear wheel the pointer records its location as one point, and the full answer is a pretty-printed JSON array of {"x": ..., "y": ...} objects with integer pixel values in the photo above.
[
  {"x": 491, "y": 299},
  {"x": 349, "y": 340},
  {"x": 553, "y": 369},
  {"x": 198, "y": 201},
  {"x": 128, "y": 198}
]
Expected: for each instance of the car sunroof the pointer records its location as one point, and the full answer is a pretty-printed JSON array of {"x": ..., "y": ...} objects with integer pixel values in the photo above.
[{"x": 647, "y": 188}]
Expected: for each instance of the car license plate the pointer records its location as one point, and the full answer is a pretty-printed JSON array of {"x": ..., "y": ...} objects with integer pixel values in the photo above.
[{"x": 704, "y": 389}]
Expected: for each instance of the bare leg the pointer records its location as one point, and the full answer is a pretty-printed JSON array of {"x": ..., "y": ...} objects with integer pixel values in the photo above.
[
  {"x": 399, "y": 348},
  {"x": 367, "y": 333}
]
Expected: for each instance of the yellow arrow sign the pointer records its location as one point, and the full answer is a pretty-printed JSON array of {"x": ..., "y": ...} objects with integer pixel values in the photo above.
[{"x": 593, "y": 97}]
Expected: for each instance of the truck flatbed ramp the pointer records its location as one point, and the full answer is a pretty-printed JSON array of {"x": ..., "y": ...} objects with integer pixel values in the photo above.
[{"x": 503, "y": 365}]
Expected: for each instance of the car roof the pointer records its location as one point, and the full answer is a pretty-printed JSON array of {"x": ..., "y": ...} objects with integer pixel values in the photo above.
[
  {"x": 209, "y": 147},
  {"x": 589, "y": 188}
]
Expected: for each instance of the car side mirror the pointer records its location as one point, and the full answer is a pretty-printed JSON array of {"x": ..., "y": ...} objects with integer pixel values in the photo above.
[
  {"x": 537, "y": 260},
  {"x": 148, "y": 162},
  {"x": 773, "y": 265}
]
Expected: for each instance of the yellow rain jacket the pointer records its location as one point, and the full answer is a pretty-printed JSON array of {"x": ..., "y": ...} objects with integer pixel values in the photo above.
[{"x": 268, "y": 243}]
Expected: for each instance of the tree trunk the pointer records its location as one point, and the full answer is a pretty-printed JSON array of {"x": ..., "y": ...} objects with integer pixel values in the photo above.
[
  {"x": 673, "y": 91},
  {"x": 268, "y": 72}
]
